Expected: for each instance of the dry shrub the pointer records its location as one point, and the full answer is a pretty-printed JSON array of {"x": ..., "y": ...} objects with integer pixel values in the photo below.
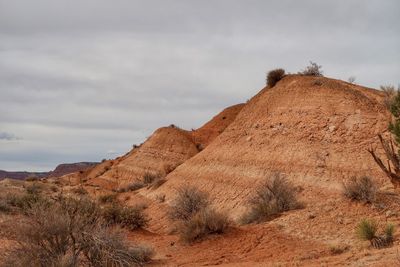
[
  {"x": 69, "y": 232},
  {"x": 128, "y": 217},
  {"x": 189, "y": 201},
  {"x": 108, "y": 198},
  {"x": 34, "y": 188},
  {"x": 4, "y": 206},
  {"x": 272, "y": 197},
  {"x": 390, "y": 93},
  {"x": 338, "y": 249},
  {"x": 312, "y": 70},
  {"x": 80, "y": 191},
  {"x": 131, "y": 187},
  {"x": 150, "y": 177},
  {"x": 195, "y": 217},
  {"x": 204, "y": 222},
  {"x": 360, "y": 189},
  {"x": 274, "y": 76}
]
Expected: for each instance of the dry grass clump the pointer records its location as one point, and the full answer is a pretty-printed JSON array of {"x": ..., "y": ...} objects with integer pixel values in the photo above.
[
  {"x": 128, "y": 217},
  {"x": 70, "y": 232},
  {"x": 360, "y": 189},
  {"x": 367, "y": 230},
  {"x": 312, "y": 70},
  {"x": 274, "y": 76},
  {"x": 150, "y": 179},
  {"x": 4, "y": 206},
  {"x": 272, "y": 197},
  {"x": 196, "y": 219}
]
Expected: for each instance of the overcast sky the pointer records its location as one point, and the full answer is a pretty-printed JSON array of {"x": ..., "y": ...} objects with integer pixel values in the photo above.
[{"x": 84, "y": 80}]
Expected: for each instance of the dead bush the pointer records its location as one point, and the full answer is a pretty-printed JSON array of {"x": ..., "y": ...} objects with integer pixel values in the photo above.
[
  {"x": 312, "y": 70},
  {"x": 69, "y": 232},
  {"x": 360, "y": 189},
  {"x": 271, "y": 198},
  {"x": 274, "y": 76},
  {"x": 4, "y": 206},
  {"x": 150, "y": 177},
  {"x": 189, "y": 201},
  {"x": 203, "y": 223}
]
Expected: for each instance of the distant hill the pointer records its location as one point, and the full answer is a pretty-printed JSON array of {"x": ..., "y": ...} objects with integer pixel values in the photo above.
[{"x": 60, "y": 170}]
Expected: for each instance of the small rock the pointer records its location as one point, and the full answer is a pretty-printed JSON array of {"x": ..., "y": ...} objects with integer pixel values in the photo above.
[
  {"x": 389, "y": 213},
  {"x": 311, "y": 216},
  {"x": 248, "y": 139},
  {"x": 331, "y": 128}
]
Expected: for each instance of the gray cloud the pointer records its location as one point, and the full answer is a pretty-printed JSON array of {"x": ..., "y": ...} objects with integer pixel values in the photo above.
[
  {"x": 84, "y": 80},
  {"x": 8, "y": 136}
]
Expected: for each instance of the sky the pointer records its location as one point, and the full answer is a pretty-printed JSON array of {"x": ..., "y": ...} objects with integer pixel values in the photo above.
[{"x": 83, "y": 80}]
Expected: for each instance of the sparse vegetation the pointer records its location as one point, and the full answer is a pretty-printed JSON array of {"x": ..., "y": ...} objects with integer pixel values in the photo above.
[
  {"x": 360, "y": 189},
  {"x": 390, "y": 93},
  {"x": 189, "y": 201},
  {"x": 312, "y": 70},
  {"x": 69, "y": 232},
  {"x": 128, "y": 217},
  {"x": 108, "y": 198},
  {"x": 274, "y": 76},
  {"x": 367, "y": 230},
  {"x": 351, "y": 79},
  {"x": 80, "y": 191},
  {"x": 196, "y": 219},
  {"x": 204, "y": 222},
  {"x": 272, "y": 197},
  {"x": 392, "y": 168},
  {"x": 338, "y": 249}
]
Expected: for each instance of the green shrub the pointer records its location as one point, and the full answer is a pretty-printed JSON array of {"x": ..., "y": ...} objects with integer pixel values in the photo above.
[
  {"x": 366, "y": 229},
  {"x": 274, "y": 76},
  {"x": 360, "y": 189},
  {"x": 272, "y": 197},
  {"x": 204, "y": 222},
  {"x": 189, "y": 201}
]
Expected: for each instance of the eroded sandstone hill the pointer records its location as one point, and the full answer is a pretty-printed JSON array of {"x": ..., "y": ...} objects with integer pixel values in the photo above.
[
  {"x": 314, "y": 129},
  {"x": 161, "y": 153}
]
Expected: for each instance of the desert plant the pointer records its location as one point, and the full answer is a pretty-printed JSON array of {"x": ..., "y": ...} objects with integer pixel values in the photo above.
[
  {"x": 150, "y": 177},
  {"x": 70, "y": 231},
  {"x": 109, "y": 248},
  {"x": 274, "y": 76},
  {"x": 392, "y": 169},
  {"x": 204, "y": 222},
  {"x": 108, "y": 198},
  {"x": 367, "y": 230},
  {"x": 390, "y": 93},
  {"x": 189, "y": 201},
  {"x": 312, "y": 70},
  {"x": 34, "y": 189},
  {"x": 128, "y": 217},
  {"x": 351, "y": 79},
  {"x": 360, "y": 189},
  {"x": 80, "y": 191},
  {"x": 272, "y": 197},
  {"x": 4, "y": 206},
  {"x": 338, "y": 249}
]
